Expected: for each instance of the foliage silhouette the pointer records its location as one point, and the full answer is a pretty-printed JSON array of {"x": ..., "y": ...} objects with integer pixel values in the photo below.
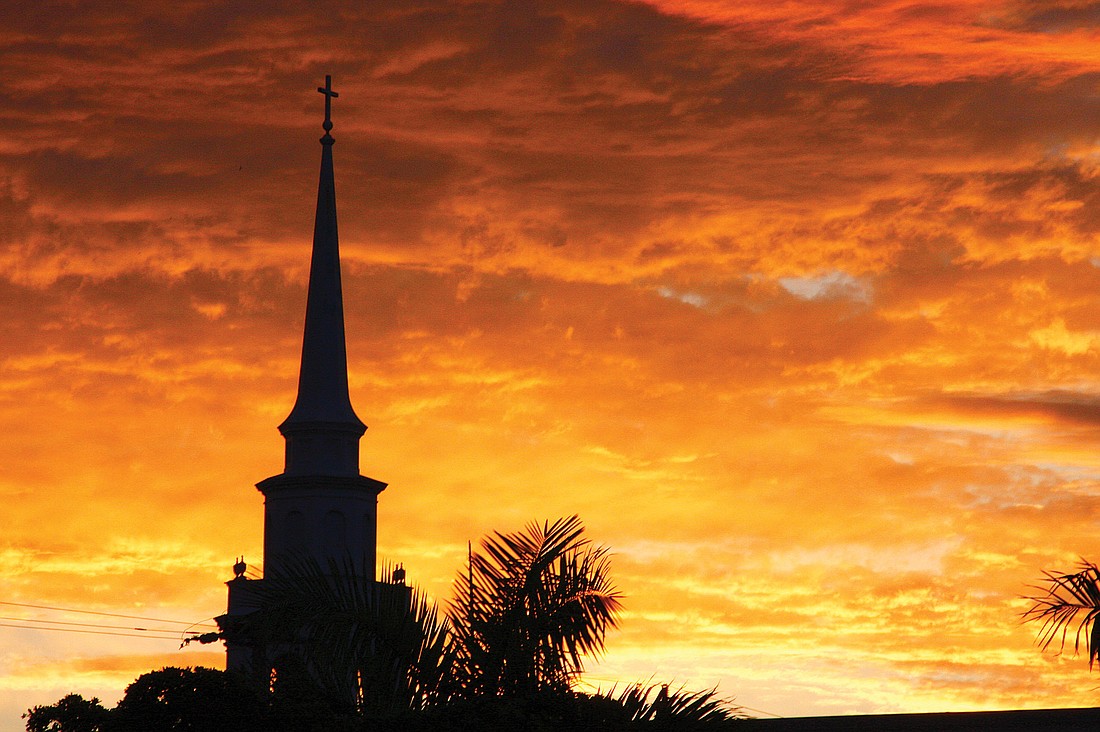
[
  {"x": 635, "y": 708},
  {"x": 676, "y": 709},
  {"x": 298, "y": 704},
  {"x": 336, "y": 652},
  {"x": 529, "y": 608},
  {"x": 71, "y": 713},
  {"x": 377, "y": 648},
  {"x": 188, "y": 699},
  {"x": 1069, "y": 599}
]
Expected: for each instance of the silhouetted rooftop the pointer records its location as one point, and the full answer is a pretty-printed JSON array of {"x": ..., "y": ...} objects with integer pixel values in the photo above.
[{"x": 1032, "y": 720}]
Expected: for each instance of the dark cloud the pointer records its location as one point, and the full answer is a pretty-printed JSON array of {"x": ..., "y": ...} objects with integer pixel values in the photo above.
[
  {"x": 641, "y": 116},
  {"x": 1049, "y": 17},
  {"x": 1060, "y": 406}
]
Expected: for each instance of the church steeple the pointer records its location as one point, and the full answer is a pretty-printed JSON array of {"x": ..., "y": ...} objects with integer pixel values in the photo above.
[
  {"x": 320, "y": 505},
  {"x": 319, "y": 508},
  {"x": 322, "y": 432}
]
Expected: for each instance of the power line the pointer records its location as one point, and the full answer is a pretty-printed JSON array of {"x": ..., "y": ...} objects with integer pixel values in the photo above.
[
  {"x": 760, "y": 711},
  {"x": 188, "y": 623},
  {"x": 89, "y": 625},
  {"x": 173, "y": 637}
]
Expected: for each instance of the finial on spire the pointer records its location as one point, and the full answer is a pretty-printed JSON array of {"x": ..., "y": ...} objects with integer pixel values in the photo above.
[{"x": 329, "y": 94}]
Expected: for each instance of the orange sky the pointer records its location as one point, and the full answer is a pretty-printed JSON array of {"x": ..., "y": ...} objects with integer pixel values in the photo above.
[{"x": 797, "y": 305}]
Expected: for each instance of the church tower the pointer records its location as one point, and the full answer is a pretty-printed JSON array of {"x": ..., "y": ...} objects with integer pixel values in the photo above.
[{"x": 319, "y": 508}]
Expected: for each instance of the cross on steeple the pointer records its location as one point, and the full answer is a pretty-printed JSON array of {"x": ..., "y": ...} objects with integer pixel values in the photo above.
[{"x": 329, "y": 94}]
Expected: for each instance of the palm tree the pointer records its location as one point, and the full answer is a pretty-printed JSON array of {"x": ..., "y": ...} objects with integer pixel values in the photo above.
[
  {"x": 529, "y": 607},
  {"x": 383, "y": 647},
  {"x": 1070, "y": 599},
  {"x": 526, "y": 612}
]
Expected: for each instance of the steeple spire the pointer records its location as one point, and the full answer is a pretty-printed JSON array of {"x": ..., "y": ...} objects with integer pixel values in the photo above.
[
  {"x": 319, "y": 508},
  {"x": 322, "y": 432}
]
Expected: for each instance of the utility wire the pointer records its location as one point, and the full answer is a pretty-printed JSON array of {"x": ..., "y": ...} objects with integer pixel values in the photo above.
[
  {"x": 174, "y": 636},
  {"x": 89, "y": 625},
  {"x": 761, "y": 711},
  {"x": 188, "y": 623}
]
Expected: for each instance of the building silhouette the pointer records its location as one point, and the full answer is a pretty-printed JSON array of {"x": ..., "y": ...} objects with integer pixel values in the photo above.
[{"x": 320, "y": 508}]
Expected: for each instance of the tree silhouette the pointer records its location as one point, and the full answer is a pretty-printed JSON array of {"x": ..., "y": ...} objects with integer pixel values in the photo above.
[
  {"x": 334, "y": 651},
  {"x": 526, "y": 612},
  {"x": 374, "y": 647},
  {"x": 188, "y": 700},
  {"x": 71, "y": 713},
  {"x": 529, "y": 608},
  {"x": 1070, "y": 599}
]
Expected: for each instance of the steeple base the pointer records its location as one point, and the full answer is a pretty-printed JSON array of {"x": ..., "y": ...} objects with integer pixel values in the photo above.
[{"x": 320, "y": 517}]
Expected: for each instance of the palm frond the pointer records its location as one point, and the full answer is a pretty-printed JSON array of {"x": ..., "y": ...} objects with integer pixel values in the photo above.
[
  {"x": 1070, "y": 599},
  {"x": 656, "y": 702},
  {"x": 530, "y": 606},
  {"x": 381, "y": 645}
]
